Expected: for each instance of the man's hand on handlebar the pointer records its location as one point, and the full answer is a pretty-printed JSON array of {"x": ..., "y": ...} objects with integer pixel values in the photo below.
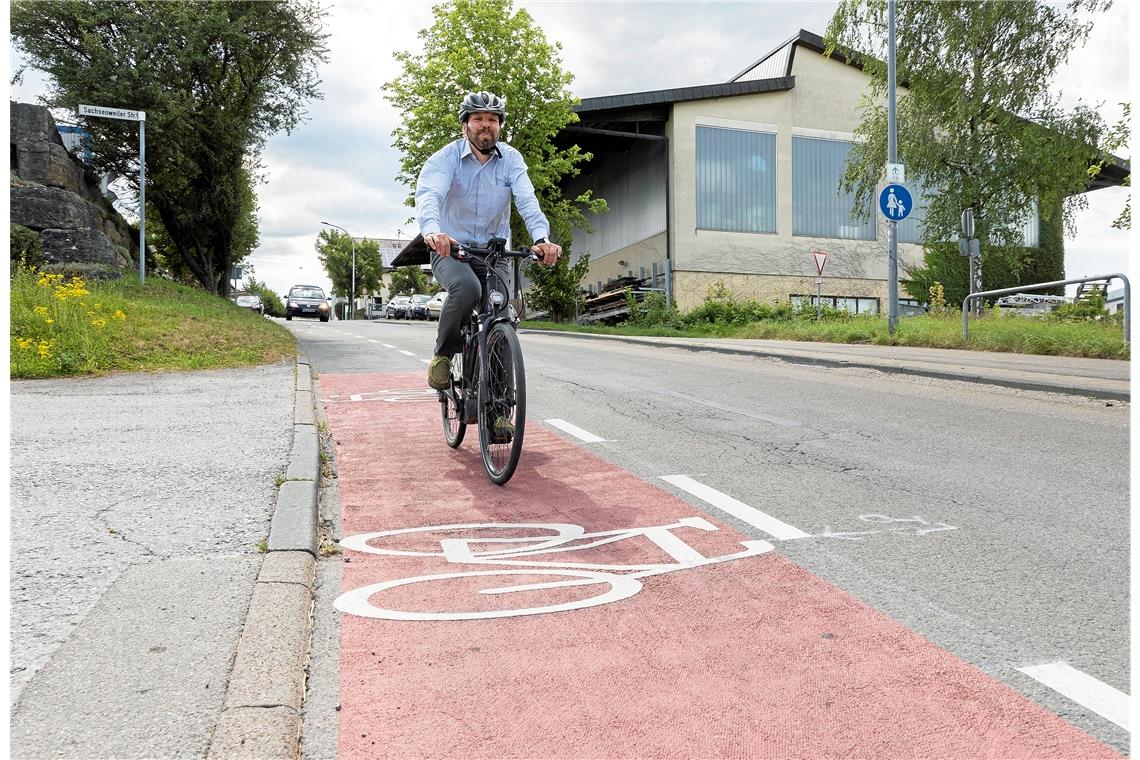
[
  {"x": 440, "y": 243},
  {"x": 548, "y": 251}
]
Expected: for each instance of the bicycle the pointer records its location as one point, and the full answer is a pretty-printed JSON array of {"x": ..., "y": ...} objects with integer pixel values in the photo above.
[
  {"x": 488, "y": 383},
  {"x": 513, "y": 550}
]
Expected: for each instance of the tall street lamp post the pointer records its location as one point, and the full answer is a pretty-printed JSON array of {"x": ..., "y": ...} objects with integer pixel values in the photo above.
[{"x": 352, "y": 295}]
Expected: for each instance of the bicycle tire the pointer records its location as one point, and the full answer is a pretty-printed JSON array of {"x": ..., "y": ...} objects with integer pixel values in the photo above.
[
  {"x": 451, "y": 406},
  {"x": 502, "y": 393}
]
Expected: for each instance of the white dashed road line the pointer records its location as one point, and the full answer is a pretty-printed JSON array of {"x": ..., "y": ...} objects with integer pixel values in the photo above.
[
  {"x": 406, "y": 353},
  {"x": 741, "y": 511},
  {"x": 583, "y": 435},
  {"x": 1104, "y": 700},
  {"x": 386, "y": 345}
]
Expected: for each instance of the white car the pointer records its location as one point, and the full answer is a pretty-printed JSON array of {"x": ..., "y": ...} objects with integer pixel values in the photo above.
[{"x": 435, "y": 305}]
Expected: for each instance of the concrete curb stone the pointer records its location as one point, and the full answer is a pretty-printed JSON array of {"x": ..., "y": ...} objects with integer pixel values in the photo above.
[{"x": 261, "y": 716}]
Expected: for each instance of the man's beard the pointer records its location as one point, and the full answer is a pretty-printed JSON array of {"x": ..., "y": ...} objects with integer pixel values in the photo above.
[{"x": 483, "y": 140}]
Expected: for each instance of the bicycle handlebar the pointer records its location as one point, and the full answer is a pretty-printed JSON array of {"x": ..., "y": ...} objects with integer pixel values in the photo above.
[{"x": 460, "y": 251}]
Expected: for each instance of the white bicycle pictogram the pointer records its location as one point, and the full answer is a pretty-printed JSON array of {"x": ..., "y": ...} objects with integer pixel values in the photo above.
[{"x": 508, "y": 553}]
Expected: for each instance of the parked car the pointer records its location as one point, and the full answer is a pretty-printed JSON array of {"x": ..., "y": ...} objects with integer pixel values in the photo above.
[
  {"x": 397, "y": 308},
  {"x": 250, "y": 301},
  {"x": 307, "y": 301},
  {"x": 435, "y": 305},
  {"x": 417, "y": 309}
]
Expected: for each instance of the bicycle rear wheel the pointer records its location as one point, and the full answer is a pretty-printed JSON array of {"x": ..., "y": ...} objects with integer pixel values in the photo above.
[
  {"x": 502, "y": 403},
  {"x": 451, "y": 405}
]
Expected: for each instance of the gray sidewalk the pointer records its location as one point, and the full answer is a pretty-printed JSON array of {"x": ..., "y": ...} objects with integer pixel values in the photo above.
[
  {"x": 147, "y": 619},
  {"x": 1094, "y": 378}
]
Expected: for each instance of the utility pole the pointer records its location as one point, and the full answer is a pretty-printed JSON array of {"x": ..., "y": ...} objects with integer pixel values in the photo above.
[{"x": 892, "y": 157}]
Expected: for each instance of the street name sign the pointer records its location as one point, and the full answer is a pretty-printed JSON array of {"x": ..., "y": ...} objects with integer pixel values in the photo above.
[{"x": 112, "y": 113}]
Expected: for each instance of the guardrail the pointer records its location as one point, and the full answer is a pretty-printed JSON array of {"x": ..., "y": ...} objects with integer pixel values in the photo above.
[{"x": 1046, "y": 286}]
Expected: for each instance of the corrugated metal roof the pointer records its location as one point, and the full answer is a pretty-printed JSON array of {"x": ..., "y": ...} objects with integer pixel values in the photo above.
[{"x": 683, "y": 94}]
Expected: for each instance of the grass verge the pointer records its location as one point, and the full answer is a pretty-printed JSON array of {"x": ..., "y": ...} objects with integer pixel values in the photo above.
[
  {"x": 992, "y": 332},
  {"x": 64, "y": 326}
]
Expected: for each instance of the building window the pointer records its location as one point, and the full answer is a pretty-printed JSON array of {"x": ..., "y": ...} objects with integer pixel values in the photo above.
[
  {"x": 819, "y": 206},
  {"x": 736, "y": 180},
  {"x": 852, "y": 304}
]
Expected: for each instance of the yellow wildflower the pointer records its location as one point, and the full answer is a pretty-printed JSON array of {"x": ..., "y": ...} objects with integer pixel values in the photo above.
[
  {"x": 41, "y": 310},
  {"x": 49, "y": 321},
  {"x": 99, "y": 322},
  {"x": 119, "y": 314},
  {"x": 45, "y": 349},
  {"x": 24, "y": 343}
]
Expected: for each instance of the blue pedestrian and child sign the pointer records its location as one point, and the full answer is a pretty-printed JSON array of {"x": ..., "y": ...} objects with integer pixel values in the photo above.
[{"x": 895, "y": 202}]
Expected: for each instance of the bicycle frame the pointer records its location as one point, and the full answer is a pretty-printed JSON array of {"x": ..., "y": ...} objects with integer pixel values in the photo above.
[{"x": 489, "y": 313}]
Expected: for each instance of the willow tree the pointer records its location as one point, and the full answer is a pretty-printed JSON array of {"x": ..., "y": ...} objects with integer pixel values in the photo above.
[
  {"x": 979, "y": 125},
  {"x": 215, "y": 78},
  {"x": 478, "y": 45}
]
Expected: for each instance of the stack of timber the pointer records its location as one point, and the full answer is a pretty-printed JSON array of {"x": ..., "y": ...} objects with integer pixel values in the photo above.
[{"x": 610, "y": 307}]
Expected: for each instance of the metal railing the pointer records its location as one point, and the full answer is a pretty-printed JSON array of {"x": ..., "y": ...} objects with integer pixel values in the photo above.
[{"x": 1045, "y": 286}]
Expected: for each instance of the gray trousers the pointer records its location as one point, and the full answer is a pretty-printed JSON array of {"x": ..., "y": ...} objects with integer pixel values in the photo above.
[{"x": 463, "y": 283}]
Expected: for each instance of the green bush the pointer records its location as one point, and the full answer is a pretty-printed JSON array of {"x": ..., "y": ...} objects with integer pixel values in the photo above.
[
  {"x": 652, "y": 311},
  {"x": 27, "y": 249}
]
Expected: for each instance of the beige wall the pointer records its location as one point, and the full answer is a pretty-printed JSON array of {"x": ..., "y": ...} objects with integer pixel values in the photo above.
[
  {"x": 643, "y": 254},
  {"x": 826, "y": 102},
  {"x": 690, "y": 288}
]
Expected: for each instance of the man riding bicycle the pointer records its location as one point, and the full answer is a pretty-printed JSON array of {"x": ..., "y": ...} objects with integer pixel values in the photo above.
[{"x": 463, "y": 196}]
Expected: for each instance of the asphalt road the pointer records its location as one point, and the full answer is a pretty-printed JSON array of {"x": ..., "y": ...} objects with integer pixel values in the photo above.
[{"x": 991, "y": 521}]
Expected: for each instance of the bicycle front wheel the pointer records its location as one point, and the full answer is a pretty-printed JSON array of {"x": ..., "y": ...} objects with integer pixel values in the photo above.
[
  {"x": 451, "y": 405},
  {"x": 502, "y": 403}
]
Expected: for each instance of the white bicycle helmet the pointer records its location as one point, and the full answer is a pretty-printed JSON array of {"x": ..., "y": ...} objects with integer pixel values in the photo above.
[{"x": 483, "y": 102}]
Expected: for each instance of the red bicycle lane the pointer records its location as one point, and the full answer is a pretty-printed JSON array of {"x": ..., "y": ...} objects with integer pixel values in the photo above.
[{"x": 751, "y": 657}]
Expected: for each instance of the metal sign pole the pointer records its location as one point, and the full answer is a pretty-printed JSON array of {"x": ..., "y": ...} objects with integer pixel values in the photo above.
[
  {"x": 892, "y": 157},
  {"x": 142, "y": 201},
  {"x": 128, "y": 115}
]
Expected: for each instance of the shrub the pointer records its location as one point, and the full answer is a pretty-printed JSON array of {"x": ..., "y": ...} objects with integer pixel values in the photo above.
[{"x": 27, "y": 249}]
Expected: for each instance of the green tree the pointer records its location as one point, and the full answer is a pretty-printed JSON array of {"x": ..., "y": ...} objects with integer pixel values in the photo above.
[
  {"x": 978, "y": 126},
  {"x": 215, "y": 79},
  {"x": 488, "y": 45},
  {"x": 334, "y": 249},
  {"x": 1116, "y": 139},
  {"x": 409, "y": 280},
  {"x": 557, "y": 289}
]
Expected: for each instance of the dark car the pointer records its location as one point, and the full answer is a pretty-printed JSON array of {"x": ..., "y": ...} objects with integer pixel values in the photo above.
[
  {"x": 417, "y": 309},
  {"x": 250, "y": 301},
  {"x": 397, "y": 308},
  {"x": 307, "y": 301}
]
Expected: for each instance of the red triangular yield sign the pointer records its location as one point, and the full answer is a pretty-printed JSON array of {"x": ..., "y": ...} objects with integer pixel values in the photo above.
[{"x": 820, "y": 259}]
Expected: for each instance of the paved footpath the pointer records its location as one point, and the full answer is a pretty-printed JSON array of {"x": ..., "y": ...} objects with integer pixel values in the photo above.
[{"x": 658, "y": 650}]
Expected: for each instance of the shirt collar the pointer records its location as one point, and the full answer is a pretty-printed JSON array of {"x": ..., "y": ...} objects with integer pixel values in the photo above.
[{"x": 467, "y": 149}]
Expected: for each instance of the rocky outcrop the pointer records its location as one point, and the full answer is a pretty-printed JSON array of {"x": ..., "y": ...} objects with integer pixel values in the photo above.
[{"x": 56, "y": 195}]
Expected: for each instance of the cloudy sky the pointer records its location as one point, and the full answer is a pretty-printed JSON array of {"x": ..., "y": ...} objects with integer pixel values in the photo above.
[{"x": 339, "y": 165}]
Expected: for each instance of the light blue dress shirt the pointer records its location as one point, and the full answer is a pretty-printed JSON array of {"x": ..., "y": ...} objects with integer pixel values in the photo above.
[{"x": 471, "y": 201}]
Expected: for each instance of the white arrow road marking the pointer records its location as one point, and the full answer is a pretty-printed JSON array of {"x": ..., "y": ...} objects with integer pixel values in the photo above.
[
  {"x": 1102, "y": 699},
  {"x": 582, "y": 435},
  {"x": 738, "y": 509}
]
